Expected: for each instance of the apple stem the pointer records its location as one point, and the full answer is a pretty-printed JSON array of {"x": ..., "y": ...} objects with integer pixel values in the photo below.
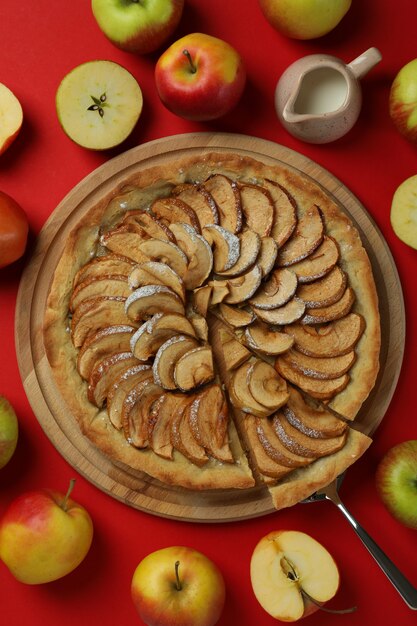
[
  {"x": 67, "y": 495},
  {"x": 177, "y": 576},
  {"x": 192, "y": 66}
]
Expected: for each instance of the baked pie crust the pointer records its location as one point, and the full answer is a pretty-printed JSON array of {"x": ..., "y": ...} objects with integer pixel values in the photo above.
[{"x": 304, "y": 294}]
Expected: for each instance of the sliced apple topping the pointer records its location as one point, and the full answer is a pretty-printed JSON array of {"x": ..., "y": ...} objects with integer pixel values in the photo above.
[
  {"x": 149, "y": 337},
  {"x": 319, "y": 263},
  {"x": 250, "y": 245},
  {"x": 234, "y": 354},
  {"x": 209, "y": 419},
  {"x": 150, "y": 225},
  {"x": 325, "y": 291},
  {"x": 136, "y": 410},
  {"x": 155, "y": 273},
  {"x": 95, "y": 313},
  {"x": 110, "y": 264},
  {"x": 323, "y": 367},
  {"x": 200, "y": 200},
  {"x": 266, "y": 386},
  {"x": 101, "y": 343},
  {"x": 122, "y": 384},
  {"x": 306, "y": 238},
  {"x": 240, "y": 394},
  {"x": 261, "y": 338},
  {"x": 258, "y": 208},
  {"x": 198, "y": 252},
  {"x": 201, "y": 299},
  {"x": 111, "y": 285},
  {"x": 266, "y": 465},
  {"x": 285, "y": 212},
  {"x": 103, "y": 374},
  {"x": 160, "y": 422},
  {"x": 165, "y": 252},
  {"x": 194, "y": 368},
  {"x": 219, "y": 291},
  {"x": 243, "y": 287},
  {"x": 331, "y": 312},
  {"x": 146, "y": 301},
  {"x": 226, "y": 247},
  {"x": 322, "y": 389},
  {"x": 332, "y": 339},
  {"x": 287, "y": 314},
  {"x": 226, "y": 195},
  {"x": 236, "y": 317},
  {"x": 276, "y": 292},
  {"x": 314, "y": 421},
  {"x": 267, "y": 255},
  {"x": 123, "y": 241},
  {"x": 274, "y": 447},
  {"x": 171, "y": 209},
  {"x": 182, "y": 437},
  {"x": 167, "y": 356},
  {"x": 299, "y": 443},
  {"x": 200, "y": 326}
]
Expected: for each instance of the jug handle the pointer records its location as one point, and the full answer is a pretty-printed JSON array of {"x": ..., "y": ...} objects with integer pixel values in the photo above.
[{"x": 365, "y": 62}]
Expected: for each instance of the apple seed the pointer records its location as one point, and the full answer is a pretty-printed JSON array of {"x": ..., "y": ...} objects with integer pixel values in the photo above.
[{"x": 98, "y": 105}]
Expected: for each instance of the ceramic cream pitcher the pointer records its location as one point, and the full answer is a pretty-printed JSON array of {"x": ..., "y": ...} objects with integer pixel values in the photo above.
[{"x": 318, "y": 98}]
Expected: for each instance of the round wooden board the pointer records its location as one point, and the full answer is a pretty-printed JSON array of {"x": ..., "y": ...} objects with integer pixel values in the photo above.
[{"x": 135, "y": 488}]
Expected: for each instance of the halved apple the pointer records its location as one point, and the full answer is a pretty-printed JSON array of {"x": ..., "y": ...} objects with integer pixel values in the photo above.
[
  {"x": 242, "y": 288},
  {"x": 276, "y": 292},
  {"x": 289, "y": 567},
  {"x": 11, "y": 115},
  {"x": 98, "y": 104},
  {"x": 250, "y": 245},
  {"x": 146, "y": 301},
  {"x": 226, "y": 195},
  {"x": 200, "y": 200},
  {"x": 292, "y": 311},
  {"x": 225, "y": 245},
  {"x": 198, "y": 252},
  {"x": 165, "y": 252},
  {"x": 333, "y": 339},
  {"x": 259, "y": 337},
  {"x": 194, "y": 368},
  {"x": 266, "y": 386},
  {"x": 305, "y": 239},
  {"x": 171, "y": 209},
  {"x": 236, "y": 317},
  {"x": 155, "y": 273},
  {"x": 102, "y": 343},
  {"x": 285, "y": 212},
  {"x": 167, "y": 356}
]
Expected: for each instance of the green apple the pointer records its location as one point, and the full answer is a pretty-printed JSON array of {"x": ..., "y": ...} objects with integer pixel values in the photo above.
[
  {"x": 304, "y": 19},
  {"x": 178, "y": 586},
  {"x": 44, "y": 535},
  {"x": 404, "y": 211},
  {"x": 403, "y": 101},
  {"x": 140, "y": 26},
  {"x": 11, "y": 116},
  {"x": 8, "y": 431},
  {"x": 98, "y": 104},
  {"x": 396, "y": 482}
]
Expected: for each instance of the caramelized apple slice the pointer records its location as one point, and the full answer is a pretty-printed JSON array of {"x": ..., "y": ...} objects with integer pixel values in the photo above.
[
  {"x": 315, "y": 421},
  {"x": 332, "y": 312},
  {"x": 287, "y": 314},
  {"x": 95, "y": 313},
  {"x": 208, "y": 419},
  {"x": 324, "y": 367},
  {"x": 100, "y": 344},
  {"x": 136, "y": 411},
  {"x": 285, "y": 212},
  {"x": 276, "y": 292},
  {"x": 260, "y": 338},
  {"x": 172, "y": 209},
  {"x": 267, "y": 255},
  {"x": 300, "y": 443},
  {"x": 153, "y": 228},
  {"x": 315, "y": 387},
  {"x": 226, "y": 247},
  {"x": 111, "y": 285},
  {"x": 122, "y": 384},
  {"x": 240, "y": 394},
  {"x": 250, "y": 245},
  {"x": 165, "y": 252},
  {"x": 147, "y": 301},
  {"x": 167, "y": 356},
  {"x": 236, "y": 317},
  {"x": 200, "y": 326},
  {"x": 198, "y": 252},
  {"x": 194, "y": 368},
  {"x": 103, "y": 374},
  {"x": 160, "y": 422},
  {"x": 226, "y": 195},
  {"x": 200, "y": 200},
  {"x": 325, "y": 291},
  {"x": 266, "y": 385},
  {"x": 123, "y": 241},
  {"x": 333, "y": 339},
  {"x": 243, "y": 287},
  {"x": 110, "y": 264},
  {"x": 201, "y": 299},
  {"x": 258, "y": 208},
  {"x": 306, "y": 238},
  {"x": 234, "y": 354},
  {"x": 265, "y": 463},
  {"x": 182, "y": 437},
  {"x": 219, "y": 291},
  {"x": 149, "y": 337},
  {"x": 319, "y": 263},
  {"x": 155, "y": 273},
  {"x": 274, "y": 447}
]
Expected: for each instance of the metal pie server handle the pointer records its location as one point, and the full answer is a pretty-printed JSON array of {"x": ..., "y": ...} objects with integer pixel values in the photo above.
[{"x": 400, "y": 582}]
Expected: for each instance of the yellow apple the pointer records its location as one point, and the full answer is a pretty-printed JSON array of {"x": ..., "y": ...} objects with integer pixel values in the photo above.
[
  {"x": 292, "y": 574},
  {"x": 304, "y": 19},
  {"x": 44, "y": 535},
  {"x": 404, "y": 211},
  {"x": 402, "y": 101},
  {"x": 178, "y": 586},
  {"x": 11, "y": 116},
  {"x": 8, "y": 431}
]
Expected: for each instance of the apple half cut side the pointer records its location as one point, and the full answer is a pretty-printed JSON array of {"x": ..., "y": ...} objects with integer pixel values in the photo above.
[
  {"x": 11, "y": 116},
  {"x": 98, "y": 104}
]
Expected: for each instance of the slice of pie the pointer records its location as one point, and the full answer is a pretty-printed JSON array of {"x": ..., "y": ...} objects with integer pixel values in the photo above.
[{"x": 224, "y": 327}]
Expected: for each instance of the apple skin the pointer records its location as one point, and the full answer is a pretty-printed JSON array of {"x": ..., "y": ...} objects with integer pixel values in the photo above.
[
  {"x": 403, "y": 101},
  {"x": 14, "y": 229},
  {"x": 136, "y": 27},
  {"x": 304, "y": 19},
  {"x": 403, "y": 213},
  {"x": 158, "y": 601},
  {"x": 207, "y": 93},
  {"x": 9, "y": 431},
  {"x": 11, "y": 113},
  {"x": 43, "y": 536},
  {"x": 396, "y": 482}
]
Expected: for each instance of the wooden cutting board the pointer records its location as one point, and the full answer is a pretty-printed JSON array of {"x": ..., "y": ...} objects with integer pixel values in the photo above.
[{"x": 134, "y": 488}]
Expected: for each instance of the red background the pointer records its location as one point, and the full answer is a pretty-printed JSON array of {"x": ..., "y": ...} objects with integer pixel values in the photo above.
[{"x": 39, "y": 43}]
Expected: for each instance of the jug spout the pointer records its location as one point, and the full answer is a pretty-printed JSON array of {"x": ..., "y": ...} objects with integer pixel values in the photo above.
[{"x": 365, "y": 62}]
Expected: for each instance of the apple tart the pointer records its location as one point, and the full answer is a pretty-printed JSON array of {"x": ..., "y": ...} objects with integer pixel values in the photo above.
[{"x": 214, "y": 323}]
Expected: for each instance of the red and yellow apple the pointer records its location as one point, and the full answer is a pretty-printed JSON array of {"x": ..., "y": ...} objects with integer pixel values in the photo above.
[
  {"x": 44, "y": 535},
  {"x": 178, "y": 586},
  {"x": 403, "y": 101},
  {"x": 404, "y": 211},
  {"x": 9, "y": 431},
  {"x": 200, "y": 77},
  {"x": 11, "y": 116},
  {"x": 13, "y": 230},
  {"x": 304, "y": 19},
  {"x": 292, "y": 574},
  {"x": 135, "y": 25},
  {"x": 396, "y": 482}
]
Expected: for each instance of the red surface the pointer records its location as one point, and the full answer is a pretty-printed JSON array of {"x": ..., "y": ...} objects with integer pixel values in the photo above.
[{"x": 38, "y": 45}]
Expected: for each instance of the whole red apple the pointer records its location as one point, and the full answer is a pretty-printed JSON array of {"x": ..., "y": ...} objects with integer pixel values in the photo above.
[
  {"x": 13, "y": 230},
  {"x": 178, "y": 586},
  {"x": 11, "y": 115},
  {"x": 44, "y": 535},
  {"x": 403, "y": 101},
  {"x": 135, "y": 25},
  {"x": 396, "y": 482},
  {"x": 200, "y": 77}
]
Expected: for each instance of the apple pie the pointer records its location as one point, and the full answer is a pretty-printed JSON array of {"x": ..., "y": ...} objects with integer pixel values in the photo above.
[{"x": 213, "y": 322}]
